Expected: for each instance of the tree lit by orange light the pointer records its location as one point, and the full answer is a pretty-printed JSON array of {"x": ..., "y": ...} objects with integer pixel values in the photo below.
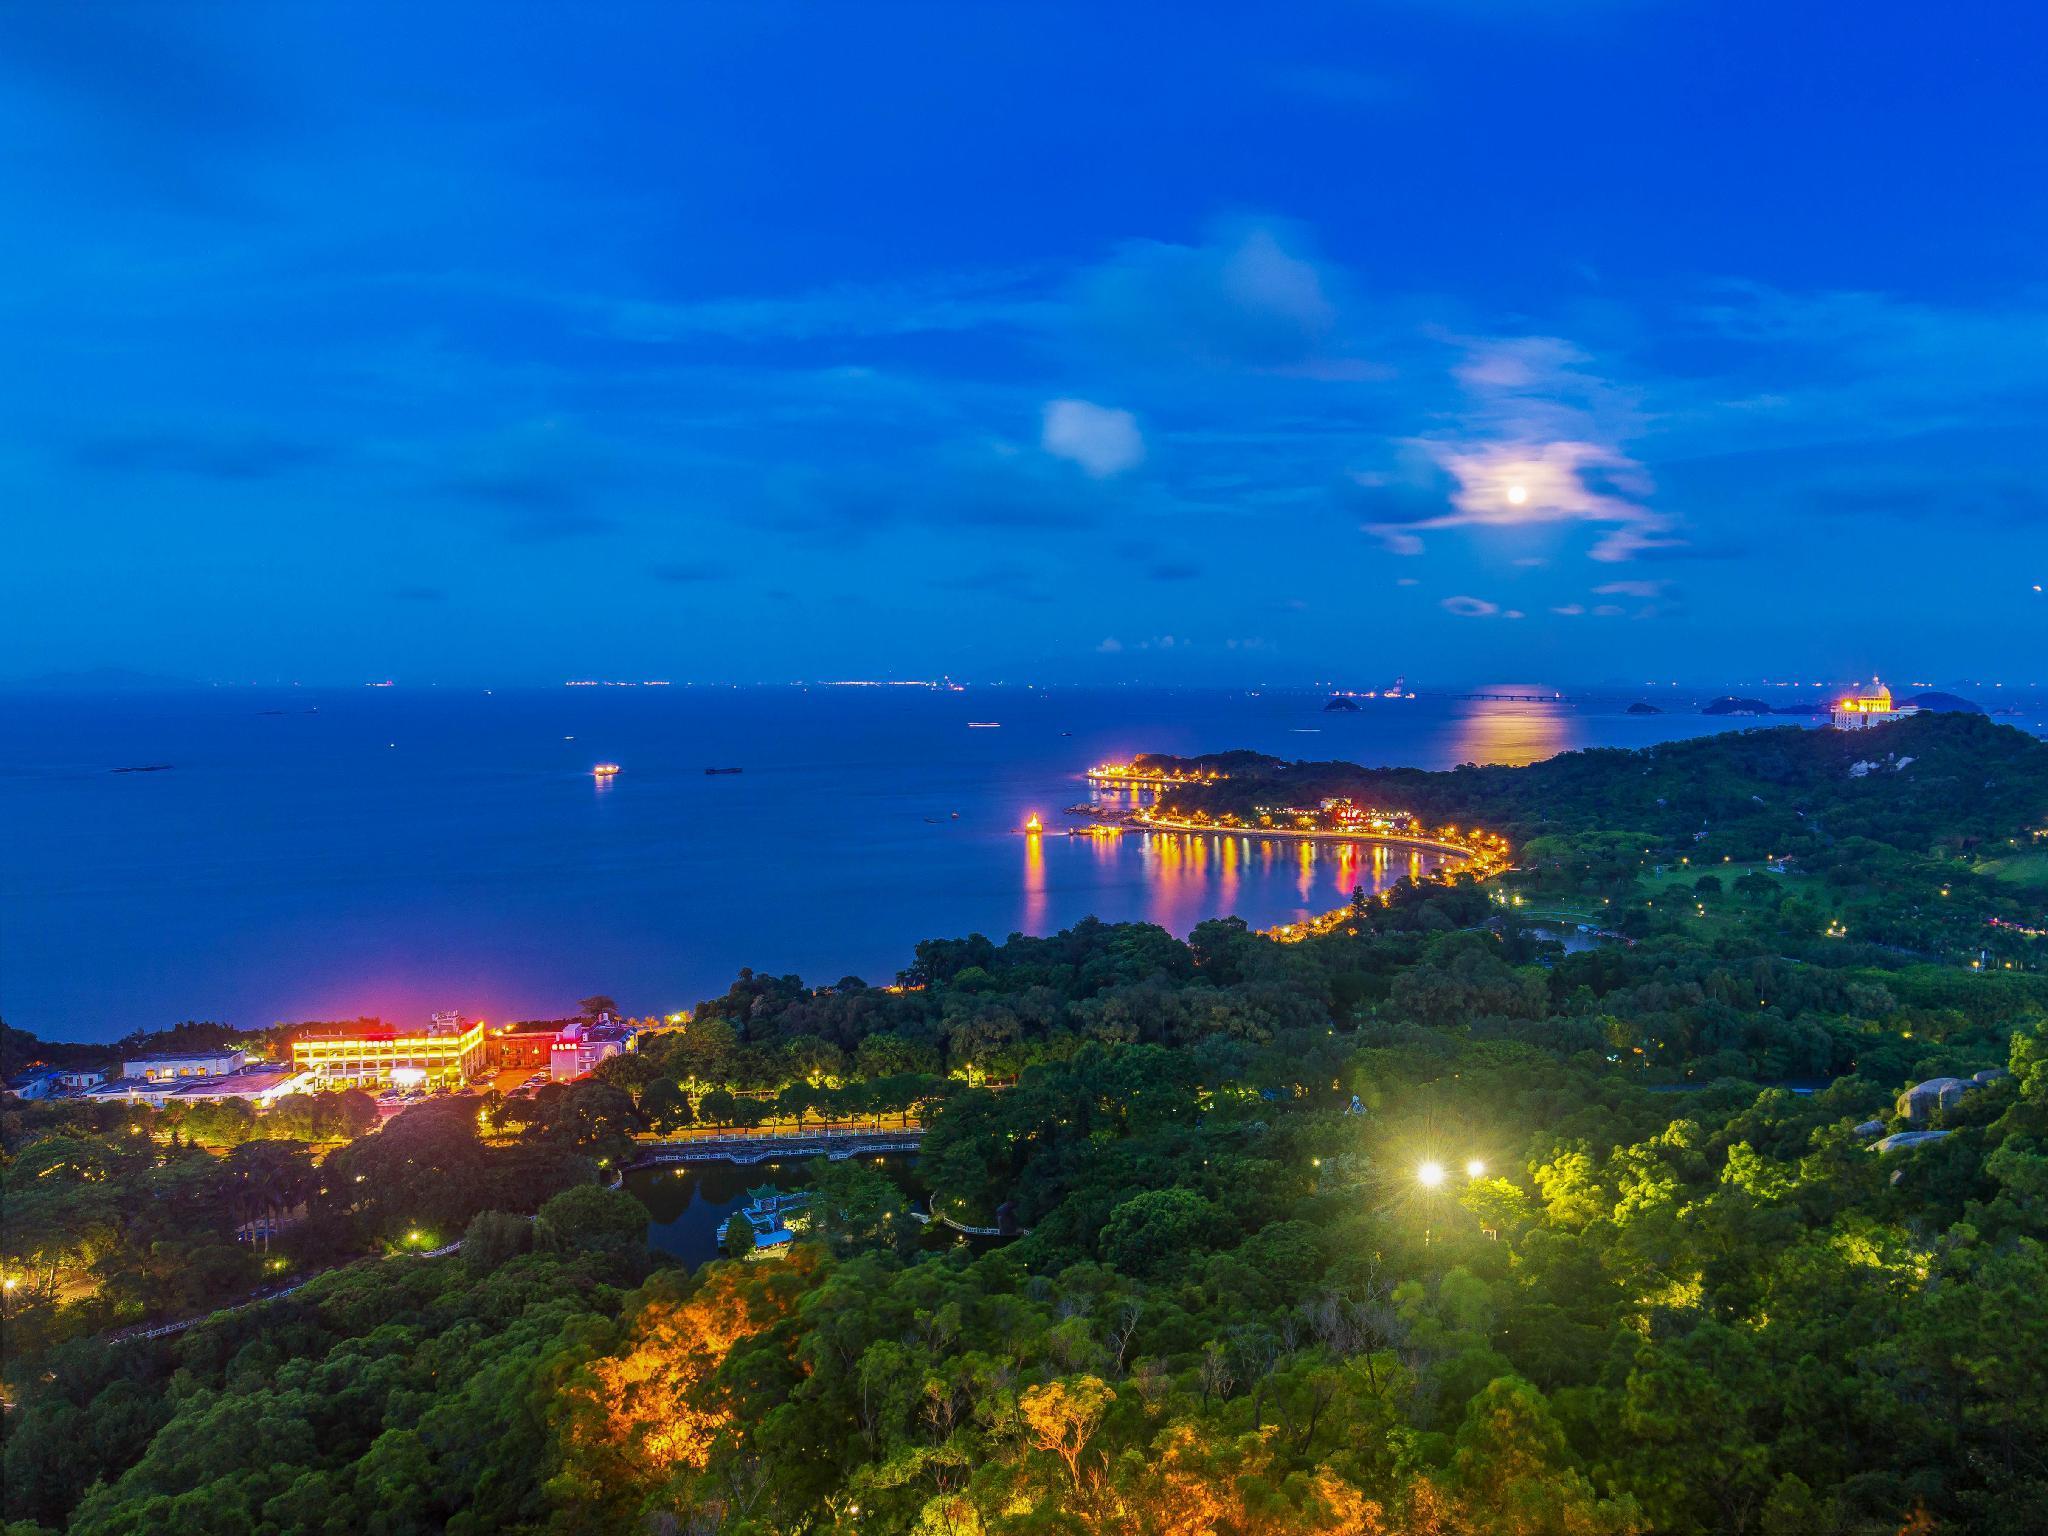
[{"x": 652, "y": 1405}]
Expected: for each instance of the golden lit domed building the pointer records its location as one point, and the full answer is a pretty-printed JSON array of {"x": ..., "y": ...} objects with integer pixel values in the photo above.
[{"x": 1864, "y": 707}]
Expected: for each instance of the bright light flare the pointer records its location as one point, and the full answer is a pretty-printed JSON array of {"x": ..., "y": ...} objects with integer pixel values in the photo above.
[
  {"x": 1475, "y": 1169},
  {"x": 1429, "y": 1175},
  {"x": 1517, "y": 494}
]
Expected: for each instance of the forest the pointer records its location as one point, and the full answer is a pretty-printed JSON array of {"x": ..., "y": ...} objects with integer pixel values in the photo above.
[{"x": 1563, "y": 1203}]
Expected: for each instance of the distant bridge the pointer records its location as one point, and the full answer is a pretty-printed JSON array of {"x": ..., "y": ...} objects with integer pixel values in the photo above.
[
  {"x": 961, "y": 1226},
  {"x": 745, "y": 1147},
  {"x": 1514, "y": 698}
]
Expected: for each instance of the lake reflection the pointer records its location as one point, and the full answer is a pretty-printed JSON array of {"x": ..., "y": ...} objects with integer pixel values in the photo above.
[{"x": 687, "y": 1202}]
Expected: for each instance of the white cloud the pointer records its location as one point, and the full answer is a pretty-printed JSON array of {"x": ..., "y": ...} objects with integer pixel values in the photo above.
[
  {"x": 1102, "y": 440},
  {"x": 1631, "y": 589},
  {"x": 1570, "y": 610},
  {"x": 1110, "y": 646}
]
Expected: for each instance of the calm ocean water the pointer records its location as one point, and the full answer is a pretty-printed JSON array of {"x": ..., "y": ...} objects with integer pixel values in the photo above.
[{"x": 324, "y": 854}]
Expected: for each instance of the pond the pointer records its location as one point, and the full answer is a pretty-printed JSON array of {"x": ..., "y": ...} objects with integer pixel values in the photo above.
[{"x": 687, "y": 1202}]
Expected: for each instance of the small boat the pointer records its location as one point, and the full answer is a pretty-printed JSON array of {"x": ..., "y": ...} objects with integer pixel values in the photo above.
[
  {"x": 956, "y": 815},
  {"x": 604, "y": 771},
  {"x": 1034, "y": 825},
  {"x": 984, "y": 725},
  {"x": 724, "y": 770}
]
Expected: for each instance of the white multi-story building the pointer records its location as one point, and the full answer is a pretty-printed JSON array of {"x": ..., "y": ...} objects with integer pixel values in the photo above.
[{"x": 158, "y": 1069}]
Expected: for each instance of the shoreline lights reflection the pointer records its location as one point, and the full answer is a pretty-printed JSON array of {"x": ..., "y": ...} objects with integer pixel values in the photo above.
[{"x": 1191, "y": 876}]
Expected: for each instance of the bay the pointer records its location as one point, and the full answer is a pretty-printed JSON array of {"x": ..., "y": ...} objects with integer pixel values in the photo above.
[{"x": 322, "y": 854}]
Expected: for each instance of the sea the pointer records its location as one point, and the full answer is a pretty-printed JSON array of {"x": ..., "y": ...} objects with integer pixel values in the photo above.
[{"x": 293, "y": 854}]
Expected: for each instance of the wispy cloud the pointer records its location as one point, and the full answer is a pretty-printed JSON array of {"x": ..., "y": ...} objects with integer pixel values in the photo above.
[
  {"x": 207, "y": 455},
  {"x": 1539, "y": 445},
  {"x": 1250, "y": 298},
  {"x": 1469, "y": 607},
  {"x": 691, "y": 572}
]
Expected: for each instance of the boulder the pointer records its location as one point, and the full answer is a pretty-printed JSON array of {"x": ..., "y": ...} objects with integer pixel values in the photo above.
[
  {"x": 1870, "y": 1128},
  {"x": 1899, "y": 1141},
  {"x": 1919, "y": 1102}
]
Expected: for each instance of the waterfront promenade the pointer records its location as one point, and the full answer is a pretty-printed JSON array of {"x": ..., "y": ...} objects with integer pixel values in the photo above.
[{"x": 1290, "y": 834}]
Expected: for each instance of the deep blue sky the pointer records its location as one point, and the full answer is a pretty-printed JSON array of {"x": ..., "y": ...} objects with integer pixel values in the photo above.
[{"x": 517, "y": 343}]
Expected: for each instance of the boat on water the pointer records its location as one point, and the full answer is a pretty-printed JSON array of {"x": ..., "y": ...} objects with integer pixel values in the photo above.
[
  {"x": 984, "y": 725},
  {"x": 715, "y": 771},
  {"x": 605, "y": 771},
  {"x": 1098, "y": 829}
]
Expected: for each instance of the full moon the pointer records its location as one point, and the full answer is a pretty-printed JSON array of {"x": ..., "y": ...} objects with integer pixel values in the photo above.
[{"x": 1518, "y": 494}]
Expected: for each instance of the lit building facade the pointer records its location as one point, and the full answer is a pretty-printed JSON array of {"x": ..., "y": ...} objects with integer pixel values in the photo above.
[
  {"x": 580, "y": 1047},
  {"x": 161, "y": 1069},
  {"x": 1861, "y": 710},
  {"x": 447, "y": 1053},
  {"x": 259, "y": 1084}
]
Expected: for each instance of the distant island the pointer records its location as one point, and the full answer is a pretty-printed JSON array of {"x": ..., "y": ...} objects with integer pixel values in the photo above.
[
  {"x": 1640, "y": 708},
  {"x": 1942, "y": 703},
  {"x": 1730, "y": 704},
  {"x": 1339, "y": 702}
]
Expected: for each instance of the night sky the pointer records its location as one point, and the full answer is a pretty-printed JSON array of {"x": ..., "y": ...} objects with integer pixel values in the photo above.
[{"x": 509, "y": 344}]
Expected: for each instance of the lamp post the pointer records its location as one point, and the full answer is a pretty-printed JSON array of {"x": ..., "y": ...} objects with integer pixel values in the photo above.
[{"x": 1430, "y": 1176}]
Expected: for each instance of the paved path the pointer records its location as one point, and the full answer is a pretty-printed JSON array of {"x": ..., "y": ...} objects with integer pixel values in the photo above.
[{"x": 165, "y": 1330}]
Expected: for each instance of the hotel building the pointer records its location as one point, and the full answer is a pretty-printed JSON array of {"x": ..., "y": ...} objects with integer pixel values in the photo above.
[{"x": 447, "y": 1053}]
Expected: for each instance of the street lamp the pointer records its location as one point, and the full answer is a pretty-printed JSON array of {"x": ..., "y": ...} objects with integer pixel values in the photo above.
[
  {"x": 1475, "y": 1169},
  {"x": 1430, "y": 1174}
]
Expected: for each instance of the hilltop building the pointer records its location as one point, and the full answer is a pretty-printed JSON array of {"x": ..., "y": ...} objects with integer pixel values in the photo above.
[{"x": 1860, "y": 710}]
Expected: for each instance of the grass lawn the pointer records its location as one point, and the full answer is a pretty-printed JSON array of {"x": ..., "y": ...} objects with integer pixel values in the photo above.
[
  {"x": 1724, "y": 910},
  {"x": 2028, "y": 868}
]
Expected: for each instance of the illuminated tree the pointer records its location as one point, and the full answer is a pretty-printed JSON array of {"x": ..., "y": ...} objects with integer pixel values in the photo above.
[
  {"x": 1063, "y": 1415},
  {"x": 651, "y": 1407}
]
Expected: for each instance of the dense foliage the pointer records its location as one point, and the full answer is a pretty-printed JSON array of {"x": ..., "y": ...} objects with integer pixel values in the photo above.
[{"x": 1421, "y": 1225}]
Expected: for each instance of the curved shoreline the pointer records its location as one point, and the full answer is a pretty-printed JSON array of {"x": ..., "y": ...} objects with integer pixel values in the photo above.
[{"x": 1296, "y": 835}]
